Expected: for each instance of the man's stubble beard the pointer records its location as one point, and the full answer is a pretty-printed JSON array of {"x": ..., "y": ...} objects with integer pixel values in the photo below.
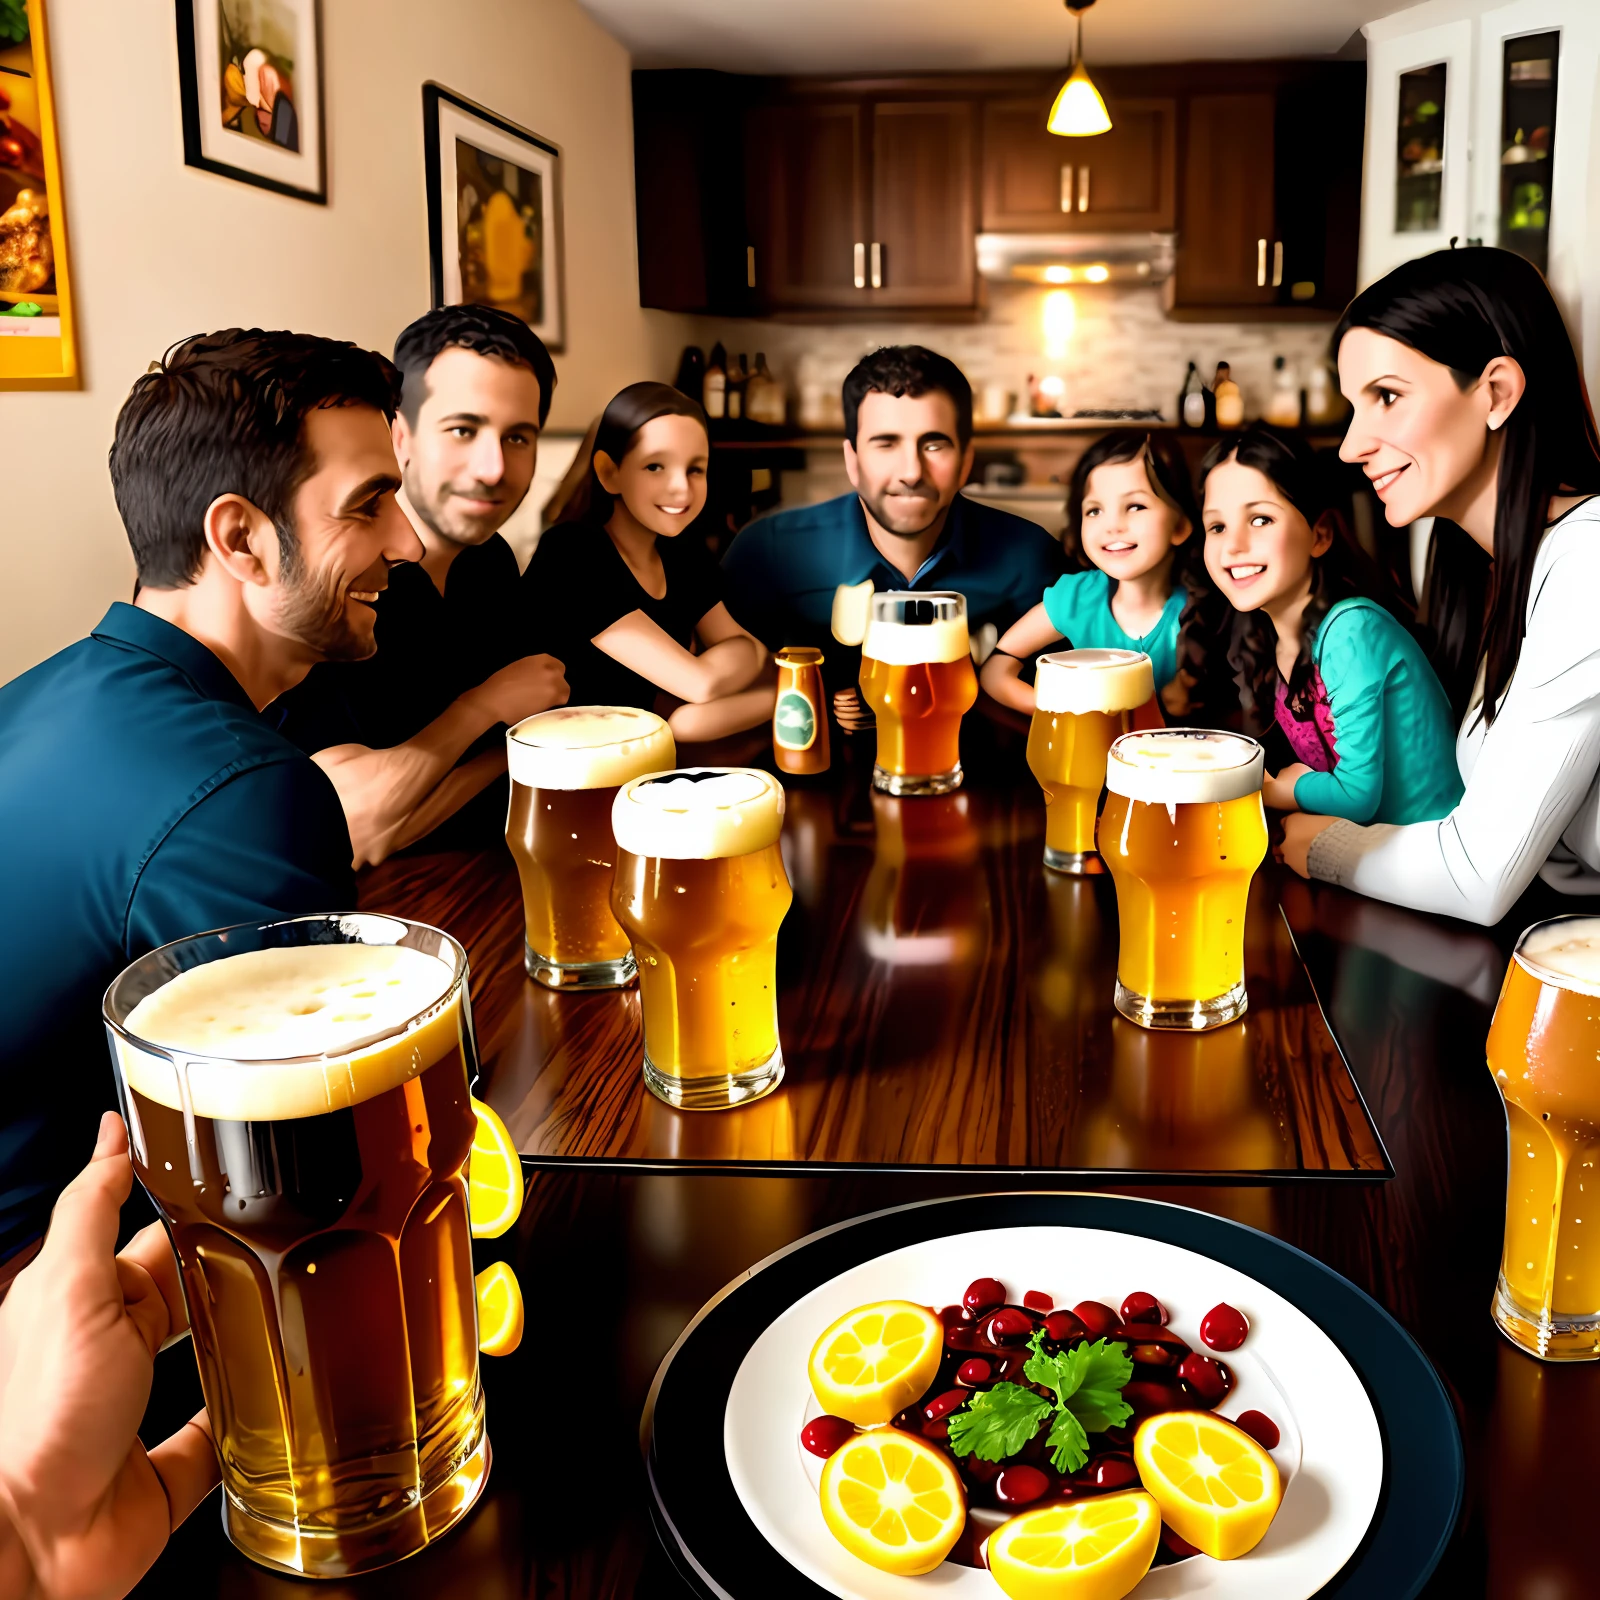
[
  {"x": 878, "y": 503},
  {"x": 432, "y": 511},
  {"x": 313, "y": 612}
]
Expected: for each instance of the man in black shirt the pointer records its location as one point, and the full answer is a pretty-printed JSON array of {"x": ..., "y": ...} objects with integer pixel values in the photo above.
[{"x": 410, "y": 737}]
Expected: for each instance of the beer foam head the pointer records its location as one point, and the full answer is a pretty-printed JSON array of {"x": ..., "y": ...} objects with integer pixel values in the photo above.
[
  {"x": 698, "y": 813},
  {"x": 588, "y": 747},
  {"x": 1184, "y": 766},
  {"x": 1564, "y": 952},
  {"x": 1093, "y": 680},
  {"x": 910, "y": 628},
  {"x": 294, "y": 1032}
]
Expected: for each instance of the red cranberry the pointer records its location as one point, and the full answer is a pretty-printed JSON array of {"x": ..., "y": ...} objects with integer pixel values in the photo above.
[
  {"x": 938, "y": 1431},
  {"x": 950, "y": 1400},
  {"x": 983, "y": 1293},
  {"x": 1063, "y": 1327},
  {"x": 953, "y": 1316},
  {"x": 1113, "y": 1472},
  {"x": 1008, "y": 1325},
  {"x": 1176, "y": 1545},
  {"x": 823, "y": 1435},
  {"x": 1142, "y": 1307},
  {"x": 1020, "y": 1486},
  {"x": 1100, "y": 1320},
  {"x": 1153, "y": 1355},
  {"x": 1034, "y": 1300},
  {"x": 1260, "y": 1427},
  {"x": 1223, "y": 1328},
  {"x": 974, "y": 1372},
  {"x": 979, "y": 1470},
  {"x": 1148, "y": 1396},
  {"x": 1209, "y": 1379}
]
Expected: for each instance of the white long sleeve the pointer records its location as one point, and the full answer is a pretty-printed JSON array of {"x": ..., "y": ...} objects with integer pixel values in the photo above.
[{"x": 1531, "y": 777}]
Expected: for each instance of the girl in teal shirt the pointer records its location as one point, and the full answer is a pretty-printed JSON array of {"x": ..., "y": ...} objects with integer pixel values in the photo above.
[
  {"x": 1130, "y": 514},
  {"x": 1313, "y": 651}
]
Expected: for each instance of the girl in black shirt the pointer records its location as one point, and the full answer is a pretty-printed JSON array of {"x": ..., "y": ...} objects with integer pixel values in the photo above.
[{"x": 636, "y": 614}]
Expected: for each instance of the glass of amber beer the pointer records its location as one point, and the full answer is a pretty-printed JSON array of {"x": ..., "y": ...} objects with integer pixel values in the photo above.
[
  {"x": 701, "y": 889},
  {"x": 917, "y": 675},
  {"x": 1083, "y": 699},
  {"x": 1183, "y": 832},
  {"x": 1544, "y": 1055},
  {"x": 297, "y": 1105},
  {"x": 566, "y": 767}
]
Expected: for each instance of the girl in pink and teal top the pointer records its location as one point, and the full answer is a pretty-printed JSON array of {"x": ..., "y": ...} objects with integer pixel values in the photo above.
[{"x": 1314, "y": 648}]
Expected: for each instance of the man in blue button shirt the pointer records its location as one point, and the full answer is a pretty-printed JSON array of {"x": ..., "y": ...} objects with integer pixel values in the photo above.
[
  {"x": 908, "y": 449},
  {"x": 142, "y": 796}
]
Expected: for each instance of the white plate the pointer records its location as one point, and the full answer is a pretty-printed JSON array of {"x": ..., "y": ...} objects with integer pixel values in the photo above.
[{"x": 1330, "y": 1453}]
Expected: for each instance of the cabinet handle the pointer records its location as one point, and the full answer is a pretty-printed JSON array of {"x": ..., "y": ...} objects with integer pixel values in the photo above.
[
  {"x": 1083, "y": 188},
  {"x": 861, "y": 265},
  {"x": 1066, "y": 186},
  {"x": 1277, "y": 263},
  {"x": 750, "y": 266},
  {"x": 877, "y": 265},
  {"x": 1261, "y": 263}
]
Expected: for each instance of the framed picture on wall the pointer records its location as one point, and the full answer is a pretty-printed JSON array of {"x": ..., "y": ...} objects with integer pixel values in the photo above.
[
  {"x": 494, "y": 213},
  {"x": 38, "y": 348},
  {"x": 250, "y": 82}
]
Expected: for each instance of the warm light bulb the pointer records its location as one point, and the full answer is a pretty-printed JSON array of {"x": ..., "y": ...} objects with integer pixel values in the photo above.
[
  {"x": 1059, "y": 316},
  {"x": 1079, "y": 110},
  {"x": 1097, "y": 273},
  {"x": 1057, "y": 274}
]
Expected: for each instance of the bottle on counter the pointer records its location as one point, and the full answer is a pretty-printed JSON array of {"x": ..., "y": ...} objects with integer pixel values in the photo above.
[
  {"x": 1192, "y": 408},
  {"x": 1228, "y": 399},
  {"x": 691, "y": 378},
  {"x": 800, "y": 714},
  {"x": 1283, "y": 404},
  {"x": 764, "y": 400},
  {"x": 1323, "y": 402},
  {"x": 738, "y": 383},
  {"x": 715, "y": 394}
]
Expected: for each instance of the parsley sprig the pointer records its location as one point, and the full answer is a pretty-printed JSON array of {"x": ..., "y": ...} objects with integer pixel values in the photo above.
[{"x": 1087, "y": 1381}]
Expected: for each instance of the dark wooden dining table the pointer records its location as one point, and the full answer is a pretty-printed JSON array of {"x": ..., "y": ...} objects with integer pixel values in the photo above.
[{"x": 946, "y": 1018}]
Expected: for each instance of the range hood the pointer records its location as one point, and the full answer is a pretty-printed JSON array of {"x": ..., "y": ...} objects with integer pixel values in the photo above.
[{"x": 1057, "y": 260}]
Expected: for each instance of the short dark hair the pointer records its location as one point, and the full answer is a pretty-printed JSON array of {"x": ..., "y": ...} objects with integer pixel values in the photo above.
[
  {"x": 224, "y": 413},
  {"x": 481, "y": 329},
  {"x": 911, "y": 369}
]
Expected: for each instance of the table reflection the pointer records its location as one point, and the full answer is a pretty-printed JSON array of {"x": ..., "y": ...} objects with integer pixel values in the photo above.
[{"x": 925, "y": 902}]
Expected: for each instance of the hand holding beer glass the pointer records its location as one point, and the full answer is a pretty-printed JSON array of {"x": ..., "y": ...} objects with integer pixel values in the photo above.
[
  {"x": 1544, "y": 1055},
  {"x": 917, "y": 675},
  {"x": 701, "y": 890},
  {"x": 1183, "y": 832},
  {"x": 566, "y": 766},
  {"x": 297, "y": 1105},
  {"x": 1083, "y": 699}
]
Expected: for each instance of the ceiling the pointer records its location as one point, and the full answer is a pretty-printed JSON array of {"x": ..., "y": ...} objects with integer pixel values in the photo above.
[{"x": 800, "y": 36}]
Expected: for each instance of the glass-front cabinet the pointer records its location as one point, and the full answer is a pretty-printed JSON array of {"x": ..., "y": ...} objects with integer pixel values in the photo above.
[
  {"x": 1528, "y": 78},
  {"x": 1419, "y": 148}
]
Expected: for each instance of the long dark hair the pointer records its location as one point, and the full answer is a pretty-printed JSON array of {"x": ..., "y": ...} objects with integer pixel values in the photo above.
[
  {"x": 1463, "y": 308},
  {"x": 615, "y": 433},
  {"x": 1342, "y": 572}
]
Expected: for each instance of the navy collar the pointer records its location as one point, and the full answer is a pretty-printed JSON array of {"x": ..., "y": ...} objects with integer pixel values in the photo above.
[
  {"x": 142, "y": 630},
  {"x": 954, "y": 540}
]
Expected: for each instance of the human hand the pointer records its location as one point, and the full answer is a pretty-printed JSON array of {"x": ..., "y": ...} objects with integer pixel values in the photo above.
[
  {"x": 89, "y": 1510},
  {"x": 1177, "y": 696},
  {"x": 535, "y": 683},
  {"x": 850, "y": 713},
  {"x": 1278, "y": 792},
  {"x": 1299, "y": 829}
]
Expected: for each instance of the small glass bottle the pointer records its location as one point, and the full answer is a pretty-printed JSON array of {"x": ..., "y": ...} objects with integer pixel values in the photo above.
[{"x": 800, "y": 715}]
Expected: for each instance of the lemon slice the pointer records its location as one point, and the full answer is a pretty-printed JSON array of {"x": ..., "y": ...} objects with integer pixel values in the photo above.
[
  {"x": 852, "y": 606},
  {"x": 1077, "y": 1550},
  {"x": 499, "y": 1310},
  {"x": 875, "y": 1360},
  {"x": 893, "y": 1501},
  {"x": 494, "y": 1179},
  {"x": 1215, "y": 1485}
]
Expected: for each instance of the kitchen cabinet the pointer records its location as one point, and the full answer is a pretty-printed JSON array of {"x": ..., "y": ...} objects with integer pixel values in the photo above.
[
  {"x": 1037, "y": 182},
  {"x": 924, "y": 215}
]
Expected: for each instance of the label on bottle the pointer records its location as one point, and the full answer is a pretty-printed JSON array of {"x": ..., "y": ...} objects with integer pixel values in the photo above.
[
  {"x": 1194, "y": 410},
  {"x": 794, "y": 721},
  {"x": 715, "y": 393}
]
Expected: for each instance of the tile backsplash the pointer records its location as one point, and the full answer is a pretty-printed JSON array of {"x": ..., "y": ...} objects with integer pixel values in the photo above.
[{"x": 1111, "y": 346}]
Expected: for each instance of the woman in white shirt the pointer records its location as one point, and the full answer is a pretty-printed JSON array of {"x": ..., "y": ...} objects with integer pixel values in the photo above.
[{"x": 1469, "y": 406}]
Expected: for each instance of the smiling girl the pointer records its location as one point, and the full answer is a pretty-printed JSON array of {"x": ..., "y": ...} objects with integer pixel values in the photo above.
[
  {"x": 1130, "y": 510},
  {"x": 633, "y": 610},
  {"x": 1313, "y": 649},
  {"x": 1469, "y": 405}
]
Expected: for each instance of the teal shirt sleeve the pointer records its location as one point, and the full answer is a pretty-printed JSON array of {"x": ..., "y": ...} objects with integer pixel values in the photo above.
[
  {"x": 1355, "y": 655},
  {"x": 1072, "y": 599}
]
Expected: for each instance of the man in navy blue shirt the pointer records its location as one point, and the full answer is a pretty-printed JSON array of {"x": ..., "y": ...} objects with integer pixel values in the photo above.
[
  {"x": 143, "y": 796},
  {"x": 908, "y": 450}
]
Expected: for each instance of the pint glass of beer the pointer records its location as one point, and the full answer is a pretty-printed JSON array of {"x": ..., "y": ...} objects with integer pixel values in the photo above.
[
  {"x": 566, "y": 767},
  {"x": 1183, "y": 832},
  {"x": 701, "y": 890},
  {"x": 1083, "y": 699},
  {"x": 297, "y": 1105},
  {"x": 1544, "y": 1055},
  {"x": 916, "y": 674}
]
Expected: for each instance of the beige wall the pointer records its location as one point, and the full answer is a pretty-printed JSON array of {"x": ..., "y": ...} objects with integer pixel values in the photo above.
[{"x": 160, "y": 250}]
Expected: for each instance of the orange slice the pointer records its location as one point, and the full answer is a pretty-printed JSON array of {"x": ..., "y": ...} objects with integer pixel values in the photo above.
[
  {"x": 494, "y": 1178},
  {"x": 500, "y": 1314},
  {"x": 875, "y": 1360},
  {"x": 1078, "y": 1549},
  {"x": 1215, "y": 1485},
  {"x": 894, "y": 1501}
]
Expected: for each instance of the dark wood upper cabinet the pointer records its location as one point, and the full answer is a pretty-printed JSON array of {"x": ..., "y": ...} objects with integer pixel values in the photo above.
[
  {"x": 924, "y": 216},
  {"x": 1037, "y": 182}
]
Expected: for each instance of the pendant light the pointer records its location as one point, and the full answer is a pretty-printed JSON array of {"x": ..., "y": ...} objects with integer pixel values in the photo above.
[{"x": 1079, "y": 110}]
